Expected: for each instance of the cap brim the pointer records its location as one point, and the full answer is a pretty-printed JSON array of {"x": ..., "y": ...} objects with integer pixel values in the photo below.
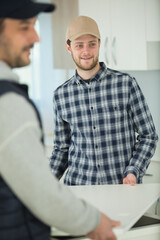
[
  {"x": 75, "y": 36},
  {"x": 31, "y": 9}
]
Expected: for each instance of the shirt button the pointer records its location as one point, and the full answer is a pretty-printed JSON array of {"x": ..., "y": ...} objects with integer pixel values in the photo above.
[
  {"x": 96, "y": 146},
  {"x": 94, "y": 127},
  {"x": 91, "y": 108}
]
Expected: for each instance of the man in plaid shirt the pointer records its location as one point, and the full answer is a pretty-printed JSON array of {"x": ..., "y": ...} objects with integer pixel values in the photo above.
[{"x": 104, "y": 132}]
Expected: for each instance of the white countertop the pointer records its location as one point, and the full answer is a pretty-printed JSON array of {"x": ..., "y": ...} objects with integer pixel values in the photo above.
[{"x": 120, "y": 202}]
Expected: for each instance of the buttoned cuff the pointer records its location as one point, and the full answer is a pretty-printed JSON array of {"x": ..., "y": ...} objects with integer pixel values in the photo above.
[{"x": 132, "y": 170}]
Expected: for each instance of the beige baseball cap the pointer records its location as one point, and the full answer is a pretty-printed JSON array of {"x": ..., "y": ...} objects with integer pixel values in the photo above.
[{"x": 82, "y": 25}]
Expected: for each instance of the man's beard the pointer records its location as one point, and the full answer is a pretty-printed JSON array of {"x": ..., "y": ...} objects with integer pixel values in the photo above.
[
  {"x": 19, "y": 62},
  {"x": 87, "y": 68},
  {"x": 13, "y": 59}
]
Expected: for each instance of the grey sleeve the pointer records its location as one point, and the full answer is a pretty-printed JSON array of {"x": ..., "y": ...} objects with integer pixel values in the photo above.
[{"x": 25, "y": 168}]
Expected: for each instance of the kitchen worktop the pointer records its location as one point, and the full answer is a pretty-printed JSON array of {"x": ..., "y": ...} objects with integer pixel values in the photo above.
[
  {"x": 120, "y": 202},
  {"x": 124, "y": 203}
]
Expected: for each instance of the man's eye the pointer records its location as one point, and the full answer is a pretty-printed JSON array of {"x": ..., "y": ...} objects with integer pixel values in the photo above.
[
  {"x": 79, "y": 45},
  {"x": 24, "y": 28},
  {"x": 92, "y": 44}
]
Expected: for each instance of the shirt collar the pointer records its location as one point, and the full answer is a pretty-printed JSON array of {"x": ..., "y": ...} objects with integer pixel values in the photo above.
[{"x": 97, "y": 77}]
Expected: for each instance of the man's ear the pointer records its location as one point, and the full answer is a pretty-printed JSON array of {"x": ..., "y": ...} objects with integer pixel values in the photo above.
[{"x": 68, "y": 48}]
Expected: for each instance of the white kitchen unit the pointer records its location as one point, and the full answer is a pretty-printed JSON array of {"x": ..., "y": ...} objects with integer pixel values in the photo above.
[
  {"x": 126, "y": 31},
  {"x": 122, "y": 28},
  {"x": 152, "y": 12},
  {"x": 127, "y": 204},
  {"x": 130, "y": 32}
]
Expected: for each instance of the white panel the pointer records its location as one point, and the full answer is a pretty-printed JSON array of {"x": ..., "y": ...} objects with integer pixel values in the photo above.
[
  {"x": 120, "y": 202},
  {"x": 152, "y": 20}
]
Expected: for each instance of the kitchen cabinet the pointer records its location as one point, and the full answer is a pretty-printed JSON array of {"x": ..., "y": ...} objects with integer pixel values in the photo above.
[
  {"x": 127, "y": 204},
  {"x": 122, "y": 28},
  {"x": 152, "y": 15},
  {"x": 130, "y": 32},
  {"x": 152, "y": 18}
]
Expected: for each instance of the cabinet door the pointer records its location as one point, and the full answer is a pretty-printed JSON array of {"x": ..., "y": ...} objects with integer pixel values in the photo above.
[
  {"x": 99, "y": 10},
  {"x": 128, "y": 34},
  {"x": 122, "y": 27},
  {"x": 152, "y": 10}
]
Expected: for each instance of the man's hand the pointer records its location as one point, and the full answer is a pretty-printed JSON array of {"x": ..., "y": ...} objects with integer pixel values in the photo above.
[
  {"x": 130, "y": 179},
  {"x": 104, "y": 229}
]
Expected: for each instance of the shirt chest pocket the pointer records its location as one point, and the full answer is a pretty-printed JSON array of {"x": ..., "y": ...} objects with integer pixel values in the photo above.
[{"x": 116, "y": 112}]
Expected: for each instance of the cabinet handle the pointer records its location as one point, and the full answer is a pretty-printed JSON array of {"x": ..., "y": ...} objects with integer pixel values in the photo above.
[
  {"x": 105, "y": 51},
  {"x": 114, "y": 51},
  {"x": 148, "y": 175}
]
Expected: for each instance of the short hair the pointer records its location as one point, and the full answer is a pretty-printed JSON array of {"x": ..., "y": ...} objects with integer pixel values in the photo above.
[
  {"x": 69, "y": 42},
  {"x": 1, "y": 24}
]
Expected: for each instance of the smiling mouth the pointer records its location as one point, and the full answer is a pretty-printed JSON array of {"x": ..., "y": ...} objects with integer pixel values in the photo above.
[
  {"x": 87, "y": 58},
  {"x": 28, "y": 51},
  {"x": 28, "y": 48}
]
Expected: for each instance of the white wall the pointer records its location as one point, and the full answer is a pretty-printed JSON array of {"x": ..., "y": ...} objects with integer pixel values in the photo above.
[
  {"x": 149, "y": 81},
  {"x": 50, "y": 78}
]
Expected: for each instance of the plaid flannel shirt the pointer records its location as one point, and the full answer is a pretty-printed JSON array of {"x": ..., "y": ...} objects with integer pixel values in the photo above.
[{"x": 103, "y": 130}]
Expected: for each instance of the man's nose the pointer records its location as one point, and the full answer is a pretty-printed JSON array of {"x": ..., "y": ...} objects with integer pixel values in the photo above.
[
  {"x": 86, "y": 48},
  {"x": 34, "y": 36}
]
